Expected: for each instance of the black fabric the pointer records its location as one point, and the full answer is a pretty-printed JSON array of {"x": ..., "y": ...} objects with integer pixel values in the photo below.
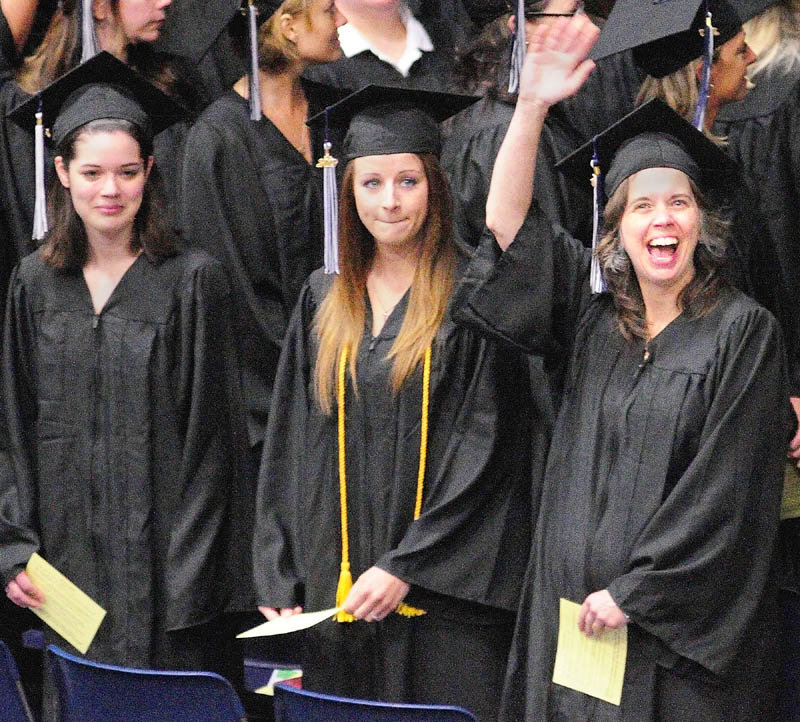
[
  {"x": 663, "y": 482},
  {"x": 433, "y": 71},
  {"x": 763, "y": 133},
  {"x": 127, "y": 446},
  {"x": 465, "y": 555},
  {"x": 432, "y": 659},
  {"x": 469, "y": 154},
  {"x": 252, "y": 200},
  {"x": 9, "y": 58}
]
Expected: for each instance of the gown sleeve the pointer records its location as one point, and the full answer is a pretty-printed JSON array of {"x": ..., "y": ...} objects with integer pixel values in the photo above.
[
  {"x": 687, "y": 583},
  {"x": 214, "y": 478},
  {"x": 532, "y": 295},
  {"x": 19, "y": 537},
  {"x": 275, "y": 557},
  {"x": 471, "y": 538}
]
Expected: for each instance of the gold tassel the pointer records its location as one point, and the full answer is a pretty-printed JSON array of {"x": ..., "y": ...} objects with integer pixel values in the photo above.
[
  {"x": 342, "y": 590},
  {"x": 408, "y": 611}
]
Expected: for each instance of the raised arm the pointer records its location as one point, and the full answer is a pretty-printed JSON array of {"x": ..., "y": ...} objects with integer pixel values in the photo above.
[{"x": 555, "y": 67}]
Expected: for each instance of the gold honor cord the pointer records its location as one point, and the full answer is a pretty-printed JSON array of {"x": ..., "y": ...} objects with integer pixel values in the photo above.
[{"x": 345, "y": 577}]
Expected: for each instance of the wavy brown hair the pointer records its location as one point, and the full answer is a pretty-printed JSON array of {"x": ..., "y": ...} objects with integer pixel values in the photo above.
[
  {"x": 66, "y": 246},
  {"x": 696, "y": 299},
  {"x": 60, "y": 51},
  {"x": 339, "y": 322}
]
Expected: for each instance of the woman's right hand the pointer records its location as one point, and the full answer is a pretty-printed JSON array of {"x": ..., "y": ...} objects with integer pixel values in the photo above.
[
  {"x": 273, "y": 613},
  {"x": 22, "y": 591},
  {"x": 556, "y": 62}
]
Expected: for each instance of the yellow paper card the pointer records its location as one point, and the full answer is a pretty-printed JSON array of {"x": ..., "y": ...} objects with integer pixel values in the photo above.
[
  {"x": 67, "y": 610},
  {"x": 790, "y": 507},
  {"x": 592, "y": 665},
  {"x": 284, "y": 625}
]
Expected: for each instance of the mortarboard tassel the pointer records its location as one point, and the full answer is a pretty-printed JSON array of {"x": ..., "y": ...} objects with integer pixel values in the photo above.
[
  {"x": 596, "y": 275},
  {"x": 518, "y": 48},
  {"x": 89, "y": 38},
  {"x": 254, "y": 87},
  {"x": 705, "y": 77},
  {"x": 40, "y": 204},
  {"x": 330, "y": 197}
]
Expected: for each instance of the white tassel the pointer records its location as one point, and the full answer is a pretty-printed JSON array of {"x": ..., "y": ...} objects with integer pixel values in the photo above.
[
  {"x": 40, "y": 204},
  {"x": 330, "y": 197},
  {"x": 518, "y": 49},
  {"x": 596, "y": 275},
  {"x": 254, "y": 86},
  {"x": 89, "y": 47}
]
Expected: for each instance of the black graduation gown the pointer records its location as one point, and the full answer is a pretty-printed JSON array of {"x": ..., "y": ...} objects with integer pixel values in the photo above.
[
  {"x": 468, "y": 157},
  {"x": 763, "y": 133},
  {"x": 663, "y": 485},
  {"x": 433, "y": 71},
  {"x": 465, "y": 555},
  {"x": 252, "y": 200},
  {"x": 126, "y": 441}
]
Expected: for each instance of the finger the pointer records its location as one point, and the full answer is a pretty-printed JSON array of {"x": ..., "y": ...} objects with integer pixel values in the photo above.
[
  {"x": 269, "y": 612},
  {"x": 579, "y": 76}
]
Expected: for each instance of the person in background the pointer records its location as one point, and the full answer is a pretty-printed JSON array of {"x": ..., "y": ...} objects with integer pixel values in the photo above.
[
  {"x": 661, "y": 498},
  {"x": 395, "y": 481},
  {"x": 385, "y": 44}
]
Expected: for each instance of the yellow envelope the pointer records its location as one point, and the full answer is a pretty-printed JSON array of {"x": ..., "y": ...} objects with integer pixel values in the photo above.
[
  {"x": 284, "y": 625},
  {"x": 592, "y": 665},
  {"x": 67, "y": 610}
]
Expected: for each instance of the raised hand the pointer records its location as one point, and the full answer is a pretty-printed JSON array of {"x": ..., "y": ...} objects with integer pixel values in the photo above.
[{"x": 556, "y": 63}]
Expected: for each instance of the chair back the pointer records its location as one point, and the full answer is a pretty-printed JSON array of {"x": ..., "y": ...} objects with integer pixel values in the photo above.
[
  {"x": 93, "y": 692},
  {"x": 302, "y": 705},
  {"x": 12, "y": 697}
]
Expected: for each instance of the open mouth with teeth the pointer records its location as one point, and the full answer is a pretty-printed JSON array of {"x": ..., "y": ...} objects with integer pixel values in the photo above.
[{"x": 662, "y": 248}]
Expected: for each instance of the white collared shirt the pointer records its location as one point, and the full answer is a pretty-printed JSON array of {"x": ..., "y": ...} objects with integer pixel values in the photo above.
[{"x": 417, "y": 42}]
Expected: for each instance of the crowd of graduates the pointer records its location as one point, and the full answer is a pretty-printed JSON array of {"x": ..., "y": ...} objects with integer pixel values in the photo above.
[{"x": 296, "y": 318}]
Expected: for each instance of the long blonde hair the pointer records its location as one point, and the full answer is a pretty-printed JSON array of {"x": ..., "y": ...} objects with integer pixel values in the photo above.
[
  {"x": 339, "y": 321},
  {"x": 774, "y": 36},
  {"x": 275, "y": 51}
]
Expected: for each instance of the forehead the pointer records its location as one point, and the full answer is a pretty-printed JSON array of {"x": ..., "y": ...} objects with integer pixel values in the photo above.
[
  {"x": 389, "y": 163},
  {"x": 106, "y": 143},
  {"x": 651, "y": 181}
]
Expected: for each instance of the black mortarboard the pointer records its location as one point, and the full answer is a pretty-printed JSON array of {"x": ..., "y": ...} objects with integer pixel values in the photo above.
[
  {"x": 652, "y": 136},
  {"x": 665, "y": 35},
  {"x": 193, "y": 25},
  {"x": 380, "y": 120},
  {"x": 102, "y": 87}
]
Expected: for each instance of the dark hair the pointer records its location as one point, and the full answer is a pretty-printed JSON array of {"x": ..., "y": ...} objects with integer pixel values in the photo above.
[
  {"x": 696, "y": 299},
  {"x": 66, "y": 245}
]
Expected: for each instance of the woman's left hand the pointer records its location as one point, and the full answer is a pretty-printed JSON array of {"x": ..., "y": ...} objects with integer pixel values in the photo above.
[
  {"x": 794, "y": 445},
  {"x": 375, "y": 595},
  {"x": 600, "y": 612}
]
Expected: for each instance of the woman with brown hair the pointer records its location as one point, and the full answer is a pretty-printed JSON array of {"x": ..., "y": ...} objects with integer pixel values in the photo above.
[
  {"x": 661, "y": 499},
  {"x": 125, "y": 438},
  {"x": 395, "y": 480}
]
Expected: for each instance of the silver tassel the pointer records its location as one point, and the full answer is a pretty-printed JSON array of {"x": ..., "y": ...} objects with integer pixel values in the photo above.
[
  {"x": 596, "y": 275},
  {"x": 254, "y": 85},
  {"x": 518, "y": 49},
  {"x": 40, "y": 205},
  {"x": 89, "y": 46},
  {"x": 330, "y": 197}
]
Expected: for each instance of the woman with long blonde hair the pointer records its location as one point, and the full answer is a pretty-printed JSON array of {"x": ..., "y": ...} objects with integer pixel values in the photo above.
[{"x": 395, "y": 480}]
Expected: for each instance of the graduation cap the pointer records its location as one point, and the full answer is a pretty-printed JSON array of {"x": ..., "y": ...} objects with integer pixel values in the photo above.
[
  {"x": 102, "y": 87},
  {"x": 380, "y": 120},
  {"x": 652, "y": 136},
  {"x": 665, "y": 35}
]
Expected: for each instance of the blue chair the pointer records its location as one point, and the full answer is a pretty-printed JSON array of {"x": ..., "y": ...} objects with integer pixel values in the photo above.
[
  {"x": 12, "y": 697},
  {"x": 302, "y": 705},
  {"x": 93, "y": 692}
]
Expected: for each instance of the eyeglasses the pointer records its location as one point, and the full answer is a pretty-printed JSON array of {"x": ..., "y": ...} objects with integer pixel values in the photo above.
[{"x": 532, "y": 15}]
